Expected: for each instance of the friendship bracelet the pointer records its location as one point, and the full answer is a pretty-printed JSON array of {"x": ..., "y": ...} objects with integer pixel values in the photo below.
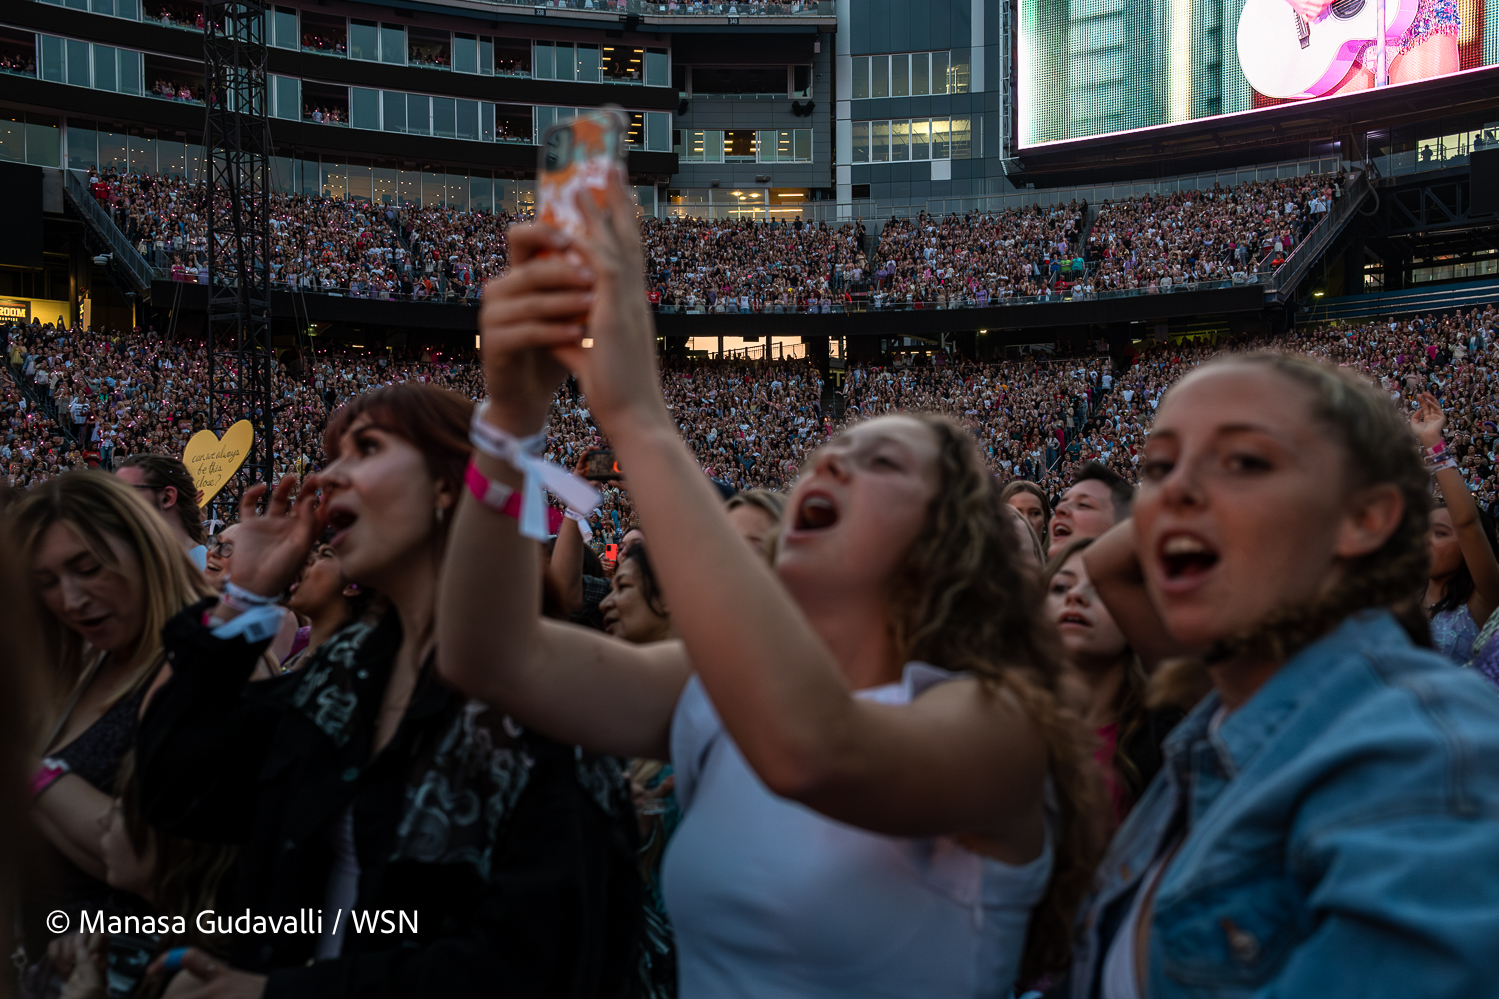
[
  {"x": 1436, "y": 466},
  {"x": 1440, "y": 447},
  {"x": 524, "y": 454},
  {"x": 503, "y": 500},
  {"x": 46, "y": 775},
  {"x": 242, "y": 599}
]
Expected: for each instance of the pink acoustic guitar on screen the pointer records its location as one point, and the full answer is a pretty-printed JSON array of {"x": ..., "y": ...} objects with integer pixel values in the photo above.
[{"x": 1283, "y": 54}]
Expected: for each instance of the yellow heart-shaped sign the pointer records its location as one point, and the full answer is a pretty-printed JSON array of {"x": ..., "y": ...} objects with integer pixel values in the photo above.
[{"x": 214, "y": 460}]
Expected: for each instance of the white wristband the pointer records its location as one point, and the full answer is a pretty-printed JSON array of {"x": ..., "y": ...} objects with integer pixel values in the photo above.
[{"x": 525, "y": 455}]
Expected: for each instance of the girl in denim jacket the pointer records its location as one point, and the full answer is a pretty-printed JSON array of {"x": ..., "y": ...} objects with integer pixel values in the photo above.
[{"x": 1326, "y": 818}]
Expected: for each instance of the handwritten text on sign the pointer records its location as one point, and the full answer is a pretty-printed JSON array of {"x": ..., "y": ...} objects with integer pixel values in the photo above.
[{"x": 213, "y": 460}]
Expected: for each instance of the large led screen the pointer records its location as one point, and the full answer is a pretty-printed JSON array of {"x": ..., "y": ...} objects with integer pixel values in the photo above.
[{"x": 1094, "y": 67}]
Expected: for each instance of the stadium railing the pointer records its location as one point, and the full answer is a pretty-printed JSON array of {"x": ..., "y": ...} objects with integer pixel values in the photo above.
[{"x": 125, "y": 256}]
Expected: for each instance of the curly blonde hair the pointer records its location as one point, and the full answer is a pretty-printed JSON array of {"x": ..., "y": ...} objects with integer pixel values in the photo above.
[{"x": 965, "y": 601}]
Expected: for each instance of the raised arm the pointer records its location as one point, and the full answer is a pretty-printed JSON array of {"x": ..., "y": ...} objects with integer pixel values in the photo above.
[
  {"x": 1114, "y": 569},
  {"x": 1478, "y": 554},
  {"x": 961, "y": 759},
  {"x": 574, "y": 684}
]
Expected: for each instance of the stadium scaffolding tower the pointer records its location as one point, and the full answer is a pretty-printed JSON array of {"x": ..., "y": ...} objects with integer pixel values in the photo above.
[{"x": 237, "y": 150}]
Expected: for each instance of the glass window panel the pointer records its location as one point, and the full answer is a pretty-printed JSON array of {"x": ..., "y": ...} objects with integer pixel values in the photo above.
[
  {"x": 468, "y": 120},
  {"x": 78, "y": 67},
  {"x": 289, "y": 96},
  {"x": 445, "y": 117},
  {"x": 41, "y": 145},
  {"x": 739, "y": 145},
  {"x": 657, "y": 68},
  {"x": 78, "y": 4},
  {"x": 785, "y": 146},
  {"x": 481, "y": 194},
  {"x": 939, "y": 139},
  {"x": 364, "y": 40},
  {"x": 106, "y": 7},
  {"x": 921, "y": 74},
  {"x": 861, "y": 78},
  {"x": 283, "y": 180},
  {"x": 54, "y": 64},
  {"x": 939, "y": 72},
  {"x": 359, "y": 182},
  {"x": 921, "y": 139},
  {"x": 861, "y": 142},
  {"x": 395, "y": 112},
  {"x": 803, "y": 149},
  {"x": 486, "y": 121},
  {"x": 900, "y": 141},
  {"x": 458, "y": 191},
  {"x": 335, "y": 180},
  {"x": 801, "y": 82},
  {"x": 128, "y": 9},
  {"x": 142, "y": 154},
  {"x": 566, "y": 66},
  {"x": 418, "y": 115},
  {"x": 194, "y": 162},
  {"x": 409, "y": 187},
  {"x": 712, "y": 146},
  {"x": 364, "y": 107},
  {"x": 879, "y": 147},
  {"x": 432, "y": 188},
  {"x": 513, "y": 57},
  {"x": 104, "y": 68},
  {"x": 284, "y": 29},
  {"x": 958, "y": 75},
  {"x": 112, "y": 152},
  {"x": 486, "y": 56},
  {"x": 588, "y": 65},
  {"x": 900, "y": 76},
  {"x": 513, "y": 123},
  {"x": 881, "y": 85},
  {"x": 12, "y": 138},
  {"x": 544, "y": 65},
  {"x": 658, "y": 131},
  {"x": 393, "y": 44},
  {"x": 765, "y": 146},
  {"x": 962, "y": 140},
  {"x": 465, "y": 54},
  {"x": 83, "y": 147},
  {"x": 384, "y": 185}
]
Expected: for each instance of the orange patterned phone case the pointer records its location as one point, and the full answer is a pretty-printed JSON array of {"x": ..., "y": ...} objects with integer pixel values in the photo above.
[{"x": 577, "y": 156}]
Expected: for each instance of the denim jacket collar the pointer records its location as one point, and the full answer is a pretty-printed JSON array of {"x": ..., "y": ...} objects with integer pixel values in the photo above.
[{"x": 1246, "y": 731}]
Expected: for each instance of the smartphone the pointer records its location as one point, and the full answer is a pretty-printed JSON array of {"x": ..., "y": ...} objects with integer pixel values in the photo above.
[
  {"x": 600, "y": 465},
  {"x": 578, "y": 155}
]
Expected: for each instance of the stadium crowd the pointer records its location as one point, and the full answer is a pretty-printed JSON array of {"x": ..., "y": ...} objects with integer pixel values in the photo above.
[
  {"x": 1151, "y": 244},
  {"x": 999, "y": 697},
  {"x": 750, "y": 423}
]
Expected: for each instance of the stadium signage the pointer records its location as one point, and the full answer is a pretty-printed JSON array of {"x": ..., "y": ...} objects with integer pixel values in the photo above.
[{"x": 15, "y": 311}]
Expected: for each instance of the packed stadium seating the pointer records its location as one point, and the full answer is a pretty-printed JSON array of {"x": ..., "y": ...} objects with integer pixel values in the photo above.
[
  {"x": 76, "y": 398},
  {"x": 1145, "y": 245}
]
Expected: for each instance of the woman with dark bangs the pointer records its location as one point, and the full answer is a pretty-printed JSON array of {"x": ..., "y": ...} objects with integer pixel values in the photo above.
[
  {"x": 881, "y": 793},
  {"x": 364, "y": 782}
]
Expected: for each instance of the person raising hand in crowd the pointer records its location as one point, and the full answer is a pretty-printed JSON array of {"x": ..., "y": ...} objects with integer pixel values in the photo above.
[
  {"x": 1463, "y": 590},
  {"x": 866, "y": 725},
  {"x": 328, "y": 778}
]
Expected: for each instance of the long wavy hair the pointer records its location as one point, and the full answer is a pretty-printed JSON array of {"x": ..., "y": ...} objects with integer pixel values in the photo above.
[
  {"x": 1378, "y": 448},
  {"x": 101, "y": 508},
  {"x": 965, "y": 601}
]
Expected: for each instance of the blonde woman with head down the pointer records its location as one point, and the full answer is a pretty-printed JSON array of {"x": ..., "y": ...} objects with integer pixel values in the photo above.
[{"x": 106, "y": 576}]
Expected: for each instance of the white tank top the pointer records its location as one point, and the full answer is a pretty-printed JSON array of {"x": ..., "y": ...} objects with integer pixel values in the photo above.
[{"x": 769, "y": 899}]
